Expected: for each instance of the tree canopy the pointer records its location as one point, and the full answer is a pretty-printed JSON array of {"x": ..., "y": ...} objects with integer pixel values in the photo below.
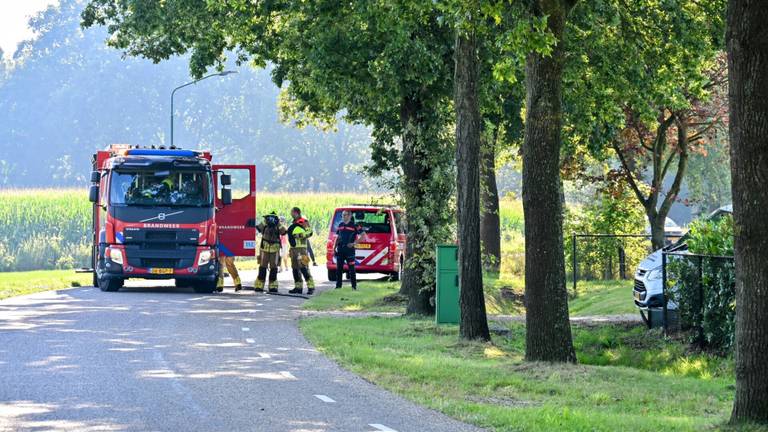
[
  {"x": 646, "y": 87},
  {"x": 67, "y": 94}
]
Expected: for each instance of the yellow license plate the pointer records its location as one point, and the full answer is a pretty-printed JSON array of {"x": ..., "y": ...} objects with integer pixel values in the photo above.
[
  {"x": 161, "y": 271},
  {"x": 637, "y": 295},
  {"x": 363, "y": 246}
]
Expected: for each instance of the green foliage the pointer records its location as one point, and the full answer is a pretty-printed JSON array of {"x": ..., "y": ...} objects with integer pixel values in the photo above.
[
  {"x": 613, "y": 212},
  {"x": 711, "y": 237},
  {"x": 44, "y": 229},
  {"x": 705, "y": 286},
  {"x": 646, "y": 84},
  {"x": 642, "y": 57}
]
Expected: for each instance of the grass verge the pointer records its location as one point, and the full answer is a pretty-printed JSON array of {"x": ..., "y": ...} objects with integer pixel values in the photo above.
[
  {"x": 627, "y": 379},
  {"x": 595, "y": 298},
  {"x": 20, "y": 283},
  {"x": 370, "y": 296},
  {"x": 603, "y": 298}
]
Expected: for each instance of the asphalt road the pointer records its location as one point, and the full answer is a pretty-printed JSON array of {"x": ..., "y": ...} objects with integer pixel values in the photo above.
[{"x": 164, "y": 359}]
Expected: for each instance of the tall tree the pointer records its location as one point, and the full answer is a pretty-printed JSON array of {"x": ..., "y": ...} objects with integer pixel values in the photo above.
[
  {"x": 473, "y": 323},
  {"x": 548, "y": 329},
  {"x": 645, "y": 78},
  {"x": 748, "y": 99},
  {"x": 490, "y": 218},
  {"x": 502, "y": 93}
]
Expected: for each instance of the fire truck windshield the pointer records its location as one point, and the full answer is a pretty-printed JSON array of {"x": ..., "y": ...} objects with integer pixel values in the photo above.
[{"x": 161, "y": 188}]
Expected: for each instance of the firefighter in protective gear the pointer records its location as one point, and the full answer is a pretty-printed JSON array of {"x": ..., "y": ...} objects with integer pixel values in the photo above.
[
  {"x": 229, "y": 262},
  {"x": 269, "y": 251},
  {"x": 298, "y": 233}
]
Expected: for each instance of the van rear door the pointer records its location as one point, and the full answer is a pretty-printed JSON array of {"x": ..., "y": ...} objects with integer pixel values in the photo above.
[{"x": 373, "y": 246}]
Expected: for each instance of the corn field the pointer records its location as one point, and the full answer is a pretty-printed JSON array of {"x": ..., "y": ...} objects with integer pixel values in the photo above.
[{"x": 50, "y": 228}]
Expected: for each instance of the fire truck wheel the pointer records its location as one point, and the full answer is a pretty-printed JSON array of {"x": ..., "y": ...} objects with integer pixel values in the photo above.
[
  {"x": 183, "y": 283},
  {"x": 332, "y": 275},
  {"x": 110, "y": 285},
  {"x": 204, "y": 287}
]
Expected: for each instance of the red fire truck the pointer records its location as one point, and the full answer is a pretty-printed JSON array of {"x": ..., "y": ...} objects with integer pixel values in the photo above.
[{"x": 168, "y": 213}]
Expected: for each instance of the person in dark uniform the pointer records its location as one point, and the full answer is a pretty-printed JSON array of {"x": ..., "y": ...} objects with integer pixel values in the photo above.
[{"x": 344, "y": 249}]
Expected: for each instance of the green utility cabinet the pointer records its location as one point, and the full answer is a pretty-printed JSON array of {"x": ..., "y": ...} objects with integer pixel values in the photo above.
[{"x": 447, "y": 296}]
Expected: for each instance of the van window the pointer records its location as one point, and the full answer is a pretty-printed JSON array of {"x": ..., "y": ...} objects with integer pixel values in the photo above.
[{"x": 374, "y": 222}]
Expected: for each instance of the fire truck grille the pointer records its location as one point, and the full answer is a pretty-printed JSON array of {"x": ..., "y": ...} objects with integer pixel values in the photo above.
[
  {"x": 159, "y": 246},
  {"x": 160, "y": 235},
  {"x": 159, "y": 263}
]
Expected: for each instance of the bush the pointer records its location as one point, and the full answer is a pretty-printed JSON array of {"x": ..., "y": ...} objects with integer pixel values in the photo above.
[{"x": 705, "y": 286}]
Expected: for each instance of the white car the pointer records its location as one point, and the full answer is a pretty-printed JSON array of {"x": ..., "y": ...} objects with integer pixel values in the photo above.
[{"x": 647, "y": 292}]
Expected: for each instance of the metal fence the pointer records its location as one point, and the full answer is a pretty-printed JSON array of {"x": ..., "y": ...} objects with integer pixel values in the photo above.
[
  {"x": 697, "y": 308},
  {"x": 615, "y": 260}
]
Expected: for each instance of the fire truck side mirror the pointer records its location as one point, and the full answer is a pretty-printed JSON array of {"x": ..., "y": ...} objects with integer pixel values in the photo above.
[
  {"x": 226, "y": 180},
  {"x": 95, "y": 177},
  {"x": 226, "y": 196},
  {"x": 93, "y": 194}
]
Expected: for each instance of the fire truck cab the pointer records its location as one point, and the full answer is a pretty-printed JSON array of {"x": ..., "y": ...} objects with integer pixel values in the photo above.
[{"x": 167, "y": 213}]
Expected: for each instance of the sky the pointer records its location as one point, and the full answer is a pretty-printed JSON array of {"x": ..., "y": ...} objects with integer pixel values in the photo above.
[{"x": 14, "y": 15}]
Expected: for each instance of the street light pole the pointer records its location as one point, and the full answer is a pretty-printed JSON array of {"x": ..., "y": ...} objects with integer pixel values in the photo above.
[{"x": 224, "y": 73}]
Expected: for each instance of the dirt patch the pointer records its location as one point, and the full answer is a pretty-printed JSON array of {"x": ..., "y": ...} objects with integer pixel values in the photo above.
[
  {"x": 396, "y": 299},
  {"x": 504, "y": 401},
  {"x": 543, "y": 371}
]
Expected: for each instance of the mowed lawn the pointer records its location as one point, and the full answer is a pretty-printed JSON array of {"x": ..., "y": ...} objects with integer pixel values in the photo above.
[
  {"x": 628, "y": 378},
  {"x": 20, "y": 283},
  {"x": 373, "y": 296},
  {"x": 595, "y": 298},
  {"x": 611, "y": 297}
]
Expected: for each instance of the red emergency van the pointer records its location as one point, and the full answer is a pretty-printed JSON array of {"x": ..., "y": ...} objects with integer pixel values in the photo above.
[{"x": 381, "y": 246}]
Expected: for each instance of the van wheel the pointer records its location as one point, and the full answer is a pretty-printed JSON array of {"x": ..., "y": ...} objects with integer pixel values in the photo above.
[
  {"x": 110, "y": 285},
  {"x": 183, "y": 283},
  {"x": 332, "y": 275},
  {"x": 395, "y": 276}
]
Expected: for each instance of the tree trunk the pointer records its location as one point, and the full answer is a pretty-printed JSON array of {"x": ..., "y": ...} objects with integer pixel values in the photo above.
[
  {"x": 748, "y": 101},
  {"x": 414, "y": 173},
  {"x": 473, "y": 322},
  {"x": 490, "y": 222},
  {"x": 548, "y": 330},
  {"x": 656, "y": 222}
]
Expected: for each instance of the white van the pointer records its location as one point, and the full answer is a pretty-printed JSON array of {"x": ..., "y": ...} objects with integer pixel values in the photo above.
[{"x": 647, "y": 292}]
